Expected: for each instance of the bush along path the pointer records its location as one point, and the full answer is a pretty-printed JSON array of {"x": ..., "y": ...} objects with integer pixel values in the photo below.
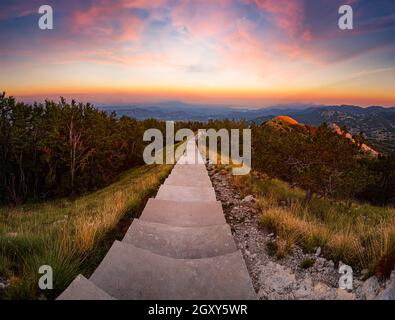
[
  {"x": 296, "y": 275},
  {"x": 180, "y": 247}
]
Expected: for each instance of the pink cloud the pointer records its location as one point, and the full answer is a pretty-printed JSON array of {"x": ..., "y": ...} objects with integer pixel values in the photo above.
[
  {"x": 287, "y": 15},
  {"x": 205, "y": 18},
  {"x": 243, "y": 48},
  {"x": 113, "y": 18},
  {"x": 238, "y": 41},
  {"x": 99, "y": 21}
]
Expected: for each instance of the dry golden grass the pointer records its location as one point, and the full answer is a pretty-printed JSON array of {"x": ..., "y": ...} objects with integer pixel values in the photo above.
[
  {"x": 68, "y": 235},
  {"x": 359, "y": 234}
]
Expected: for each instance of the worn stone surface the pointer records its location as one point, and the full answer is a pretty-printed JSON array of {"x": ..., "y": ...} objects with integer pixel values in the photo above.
[
  {"x": 83, "y": 289},
  {"x": 195, "y": 181},
  {"x": 181, "y": 193},
  {"x": 183, "y": 214},
  {"x": 189, "y": 175},
  {"x": 128, "y": 272},
  {"x": 181, "y": 242}
]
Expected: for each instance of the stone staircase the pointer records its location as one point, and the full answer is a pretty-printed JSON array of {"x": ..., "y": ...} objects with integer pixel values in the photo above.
[{"x": 180, "y": 248}]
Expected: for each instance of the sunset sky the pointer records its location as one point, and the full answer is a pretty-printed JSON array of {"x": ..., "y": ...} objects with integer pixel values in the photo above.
[{"x": 237, "y": 52}]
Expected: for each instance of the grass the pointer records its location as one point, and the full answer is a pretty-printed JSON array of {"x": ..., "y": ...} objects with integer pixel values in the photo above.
[
  {"x": 358, "y": 234},
  {"x": 70, "y": 236},
  {"x": 307, "y": 263}
]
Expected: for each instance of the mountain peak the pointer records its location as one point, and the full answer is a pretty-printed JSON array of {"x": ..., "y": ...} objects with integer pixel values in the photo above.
[{"x": 286, "y": 120}]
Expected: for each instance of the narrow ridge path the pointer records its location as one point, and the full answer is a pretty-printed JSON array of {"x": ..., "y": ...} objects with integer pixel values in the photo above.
[{"x": 180, "y": 247}]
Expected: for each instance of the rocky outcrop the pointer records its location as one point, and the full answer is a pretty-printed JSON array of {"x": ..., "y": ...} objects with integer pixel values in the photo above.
[{"x": 364, "y": 147}]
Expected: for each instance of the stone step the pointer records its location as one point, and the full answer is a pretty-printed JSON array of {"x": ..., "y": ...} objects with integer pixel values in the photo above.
[
  {"x": 183, "y": 214},
  {"x": 181, "y": 242},
  {"x": 203, "y": 177},
  {"x": 191, "y": 156},
  {"x": 192, "y": 170},
  {"x": 84, "y": 289},
  {"x": 190, "y": 166},
  {"x": 128, "y": 272},
  {"x": 169, "y": 192},
  {"x": 177, "y": 180},
  {"x": 190, "y": 175},
  {"x": 190, "y": 160}
]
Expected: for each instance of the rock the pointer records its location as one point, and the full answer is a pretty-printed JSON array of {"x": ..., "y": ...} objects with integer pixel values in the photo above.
[
  {"x": 274, "y": 279},
  {"x": 234, "y": 210},
  {"x": 344, "y": 295},
  {"x": 274, "y": 296},
  {"x": 389, "y": 292},
  {"x": 319, "y": 263},
  {"x": 304, "y": 289},
  {"x": 323, "y": 292},
  {"x": 249, "y": 199},
  {"x": 370, "y": 288},
  {"x": 318, "y": 251}
]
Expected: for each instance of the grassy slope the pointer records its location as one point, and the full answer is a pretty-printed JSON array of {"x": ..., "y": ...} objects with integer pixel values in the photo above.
[
  {"x": 355, "y": 233},
  {"x": 71, "y": 237}
]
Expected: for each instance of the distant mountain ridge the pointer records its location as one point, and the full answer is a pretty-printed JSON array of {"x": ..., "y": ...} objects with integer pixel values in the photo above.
[
  {"x": 179, "y": 111},
  {"x": 376, "y": 122}
]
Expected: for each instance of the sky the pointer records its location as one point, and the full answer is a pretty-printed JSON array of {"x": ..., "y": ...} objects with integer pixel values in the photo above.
[{"x": 236, "y": 52}]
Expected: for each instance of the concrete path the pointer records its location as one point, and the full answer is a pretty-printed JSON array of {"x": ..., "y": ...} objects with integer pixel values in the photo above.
[{"x": 180, "y": 248}]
